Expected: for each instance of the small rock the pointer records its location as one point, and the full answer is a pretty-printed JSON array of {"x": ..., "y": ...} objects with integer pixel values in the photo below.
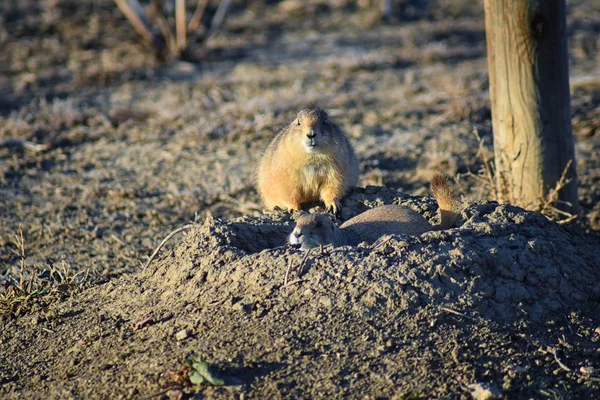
[
  {"x": 326, "y": 301},
  {"x": 586, "y": 370},
  {"x": 175, "y": 394},
  {"x": 371, "y": 118},
  {"x": 515, "y": 369},
  {"x": 484, "y": 391},
  {"x": 182, "y": 334}
]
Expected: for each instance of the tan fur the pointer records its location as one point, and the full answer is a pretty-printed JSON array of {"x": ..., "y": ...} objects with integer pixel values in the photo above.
[
  {"x": 314, "y": 230},
  {"x": 447, "y": 201},
  {"x": 292, "y": 172}
]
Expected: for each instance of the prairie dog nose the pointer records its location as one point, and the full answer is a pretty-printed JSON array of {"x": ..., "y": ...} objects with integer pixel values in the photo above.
[
  {"x": 295, "y": 238},
  {"x": 311, "y": 134}
]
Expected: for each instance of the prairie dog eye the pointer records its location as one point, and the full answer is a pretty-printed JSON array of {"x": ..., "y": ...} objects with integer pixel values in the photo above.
[
  {"x": 298, "y": 122},
  {"x": 324, "y": 120},
  {"x": 319, "y": 224}
]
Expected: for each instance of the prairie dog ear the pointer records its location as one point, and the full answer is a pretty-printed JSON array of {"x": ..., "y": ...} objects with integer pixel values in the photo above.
[{"x": 299, "y": 214}]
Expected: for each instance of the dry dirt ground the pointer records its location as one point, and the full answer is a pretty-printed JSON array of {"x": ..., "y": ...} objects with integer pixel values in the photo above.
[{"x": 135, "y": 149}]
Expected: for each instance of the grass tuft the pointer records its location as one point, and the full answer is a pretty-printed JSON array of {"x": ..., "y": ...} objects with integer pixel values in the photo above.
[
  {"x": 32, "y": 286},
  {"x": 498, "y": 188}
]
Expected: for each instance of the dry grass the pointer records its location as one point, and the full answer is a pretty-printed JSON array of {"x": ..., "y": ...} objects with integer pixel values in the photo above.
[
  {"x": 498, "y": 188},
  {"x": 550, "y": 206},
  {"x": 31, "y": 285}
]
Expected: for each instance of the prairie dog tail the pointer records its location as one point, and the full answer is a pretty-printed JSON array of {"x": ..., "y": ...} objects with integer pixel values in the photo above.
[{"x": 450, "y": 206}]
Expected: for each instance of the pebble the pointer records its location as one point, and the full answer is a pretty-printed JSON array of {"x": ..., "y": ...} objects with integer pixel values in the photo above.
[
  {"x": 326, "y": 301},
  {"x": 484, "y": 391},
  {"x": 586, "y": 370},
  {"x": 182, "y": 334}
]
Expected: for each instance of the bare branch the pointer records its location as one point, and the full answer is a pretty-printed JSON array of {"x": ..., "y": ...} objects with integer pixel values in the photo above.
[
  {"x": 163, "y": 25},
  {"x": 134, "y": 12},
  {"x": 197, "y": 16},
  {"x": 165, "y": 240},
  {"x": 219, "y": 17},
  {"x": 180, "y": 25}
]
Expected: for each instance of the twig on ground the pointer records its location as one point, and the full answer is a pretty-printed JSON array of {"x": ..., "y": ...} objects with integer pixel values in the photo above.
[
  {"x": 300, "y": 268},
  {"x": 165, "y": 240},
  {"x": 287, "y": 272},
  {"x": 560, "y": 363},
  {"x": 303, "y": 262},
  {"x": 294, "y": 282},
  {"x": 566, "y": 220},
  {"x": 457, "y": 313},
  {"x": 218, "y": 302},
  {"x": 136, "y": 326},
  {"x": 564, "y": 367},
  {"x": 116, "y": 238},
  {"x": 24, "y": 144}
]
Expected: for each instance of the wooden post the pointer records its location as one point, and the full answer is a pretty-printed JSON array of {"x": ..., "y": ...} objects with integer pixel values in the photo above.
[{"x": 531, "y": 111}]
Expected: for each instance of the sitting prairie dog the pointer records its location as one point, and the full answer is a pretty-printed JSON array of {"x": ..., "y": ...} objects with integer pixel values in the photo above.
[
  {"x": 309, "y": 160},
  {"x": 313, "y": 230}
]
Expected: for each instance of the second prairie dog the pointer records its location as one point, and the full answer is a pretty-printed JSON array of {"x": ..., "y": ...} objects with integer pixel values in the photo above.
[
  {"x": 313, "y": 230},
  {"x": 309, "y": 160}
]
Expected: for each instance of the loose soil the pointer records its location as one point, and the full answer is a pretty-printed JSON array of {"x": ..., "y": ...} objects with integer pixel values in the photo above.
[{"x": 508, "y": 298}]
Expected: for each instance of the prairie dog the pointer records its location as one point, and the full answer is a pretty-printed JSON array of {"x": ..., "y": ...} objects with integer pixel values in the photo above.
[
  {"x": 309, "y": 160},
  {"x": 313, "y": 230}
]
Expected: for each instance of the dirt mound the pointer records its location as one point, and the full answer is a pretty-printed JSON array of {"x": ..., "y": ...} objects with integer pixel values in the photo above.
[
  {"x": 502, "y": 264},
  {"x": 411, "y": 316}
]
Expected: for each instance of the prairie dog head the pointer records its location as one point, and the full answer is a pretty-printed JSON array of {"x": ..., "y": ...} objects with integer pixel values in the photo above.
[
  {"x": 313, "y": 230},
  {"x": 313, "y": 130}
]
